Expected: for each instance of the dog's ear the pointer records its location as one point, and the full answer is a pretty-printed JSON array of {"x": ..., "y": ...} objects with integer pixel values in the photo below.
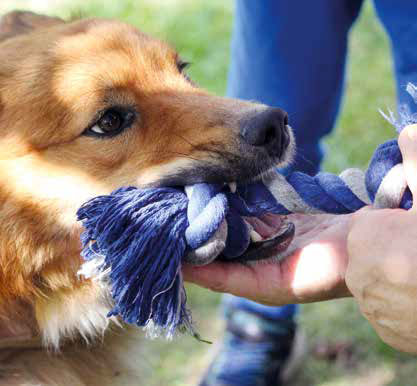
[{"x": 21, "y": 22}]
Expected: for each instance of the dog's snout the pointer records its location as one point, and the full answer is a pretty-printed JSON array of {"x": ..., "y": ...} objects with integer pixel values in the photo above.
[{"x": 267, "y": 128}]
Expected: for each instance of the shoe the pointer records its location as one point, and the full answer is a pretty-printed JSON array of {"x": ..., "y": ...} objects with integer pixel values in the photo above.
[{"x": 254, "y": 351}]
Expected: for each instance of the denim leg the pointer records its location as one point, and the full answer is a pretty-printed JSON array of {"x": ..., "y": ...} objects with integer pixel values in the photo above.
[
  {"x": 292, "y": 54},
  {"x": 400, "y": 21},
  {"x": 230, "y": 302}
]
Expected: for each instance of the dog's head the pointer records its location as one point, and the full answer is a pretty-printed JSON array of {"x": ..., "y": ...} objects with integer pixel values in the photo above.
[{"x": 89, "y": 106}]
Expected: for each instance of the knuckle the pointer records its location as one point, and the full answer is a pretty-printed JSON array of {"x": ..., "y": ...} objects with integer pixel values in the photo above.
[{"x": 407, "y": 135}]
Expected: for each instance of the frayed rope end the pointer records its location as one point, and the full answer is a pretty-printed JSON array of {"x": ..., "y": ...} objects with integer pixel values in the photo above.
[
  {"x": 138, "y": 260},
  {"x": 404, "y": 117}
]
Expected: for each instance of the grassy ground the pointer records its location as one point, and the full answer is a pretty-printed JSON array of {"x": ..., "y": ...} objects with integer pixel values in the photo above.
[{"x": 201, "y": 30}]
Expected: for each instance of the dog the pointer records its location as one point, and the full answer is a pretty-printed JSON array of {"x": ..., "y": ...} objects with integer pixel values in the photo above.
[{"x": 88, "y": 106}]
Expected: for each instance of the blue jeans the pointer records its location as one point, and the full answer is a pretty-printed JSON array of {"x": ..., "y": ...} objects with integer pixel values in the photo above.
[{"x": 292, "y": 54}]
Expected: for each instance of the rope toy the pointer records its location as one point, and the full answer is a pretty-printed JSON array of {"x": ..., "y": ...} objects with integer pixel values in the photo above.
[{"x": 135, "y": 240}]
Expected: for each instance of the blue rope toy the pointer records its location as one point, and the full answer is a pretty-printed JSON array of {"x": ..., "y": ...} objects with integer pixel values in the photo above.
[{"x": 135, "y": 240}]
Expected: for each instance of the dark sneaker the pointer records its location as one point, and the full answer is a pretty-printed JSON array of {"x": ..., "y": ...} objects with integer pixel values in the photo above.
[{"x": 254, "y": 351}]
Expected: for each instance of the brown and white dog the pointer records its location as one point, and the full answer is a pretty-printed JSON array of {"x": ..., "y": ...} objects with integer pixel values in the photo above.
[{"x": 86, "y": 107}]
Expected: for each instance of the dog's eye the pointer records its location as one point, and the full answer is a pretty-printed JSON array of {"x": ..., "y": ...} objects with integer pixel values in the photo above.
[
  {"x": 182, "y": 65},
  {"x": 111, "y": 123}
]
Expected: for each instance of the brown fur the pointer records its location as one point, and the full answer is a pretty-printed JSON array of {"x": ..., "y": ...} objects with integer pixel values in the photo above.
[{"x": 54, "y": 78}]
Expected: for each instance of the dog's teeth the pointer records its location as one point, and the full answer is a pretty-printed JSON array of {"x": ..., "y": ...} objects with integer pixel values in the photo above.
[
  {"x": 232, "y": 186},
  {"x": 255, "y": 236},
  {"x": 189, "y": 190}
]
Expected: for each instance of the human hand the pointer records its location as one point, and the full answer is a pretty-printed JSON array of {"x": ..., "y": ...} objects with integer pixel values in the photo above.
[
  {"x": 382, "y": 269},
  {"x": 313, "y": 268}
]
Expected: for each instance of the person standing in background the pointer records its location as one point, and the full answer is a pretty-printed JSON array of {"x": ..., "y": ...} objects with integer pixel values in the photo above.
[{"x": 292, "y": 54}]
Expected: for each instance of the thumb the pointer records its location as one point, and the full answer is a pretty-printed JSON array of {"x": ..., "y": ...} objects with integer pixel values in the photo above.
[
  {"x": 407, "y": 141},
  {"x": 263, "y": 282},
  {"x": 223, "y": 277}
]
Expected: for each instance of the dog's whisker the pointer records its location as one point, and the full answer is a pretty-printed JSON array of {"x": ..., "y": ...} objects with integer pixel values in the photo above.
[{"x": 166, "y": 152}]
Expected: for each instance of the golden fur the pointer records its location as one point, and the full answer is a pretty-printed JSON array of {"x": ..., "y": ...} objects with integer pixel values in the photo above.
[{"x": 54, "y": 77}]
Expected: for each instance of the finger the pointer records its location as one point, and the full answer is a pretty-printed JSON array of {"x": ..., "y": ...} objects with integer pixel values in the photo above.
[
  {"x": 221, "y": 277},
  {"x": 406, "y": 343},
  {"x": 390, "y": 330},
  {"x": 407, "y": 142},
  {"x": 359, "y": 215},
  {"x": 316, "y": 272},
  {"x": 252, "y": 282}
]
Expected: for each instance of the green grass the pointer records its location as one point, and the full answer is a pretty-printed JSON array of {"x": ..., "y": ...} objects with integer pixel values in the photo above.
[{"x": 201, "y": 30}]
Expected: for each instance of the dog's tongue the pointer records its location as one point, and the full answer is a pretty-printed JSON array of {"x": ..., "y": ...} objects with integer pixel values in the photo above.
[{"x": 266, "y": 225}]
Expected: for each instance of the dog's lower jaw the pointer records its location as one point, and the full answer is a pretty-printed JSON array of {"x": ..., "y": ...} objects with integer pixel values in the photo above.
[{"x": 68, "y": 314}]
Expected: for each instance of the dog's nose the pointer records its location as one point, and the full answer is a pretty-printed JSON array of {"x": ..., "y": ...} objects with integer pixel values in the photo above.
[{"x": 267, "y": 128}]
